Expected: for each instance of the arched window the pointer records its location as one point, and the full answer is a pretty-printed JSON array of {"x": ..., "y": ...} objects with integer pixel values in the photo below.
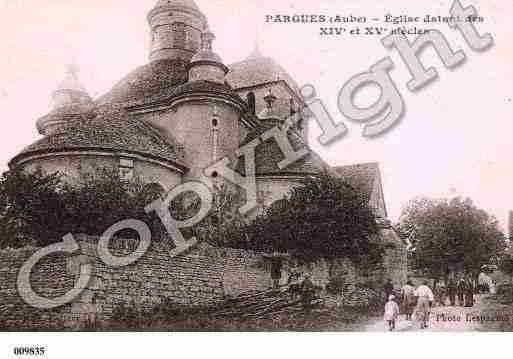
[{"x": 251, "y": 102}]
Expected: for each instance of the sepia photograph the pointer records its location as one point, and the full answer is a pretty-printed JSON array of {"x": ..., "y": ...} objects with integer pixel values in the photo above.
[{"x": 193, "y": 166}]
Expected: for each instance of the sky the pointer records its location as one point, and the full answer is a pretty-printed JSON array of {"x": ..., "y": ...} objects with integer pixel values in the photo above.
[{"x": 455, "y": 137}]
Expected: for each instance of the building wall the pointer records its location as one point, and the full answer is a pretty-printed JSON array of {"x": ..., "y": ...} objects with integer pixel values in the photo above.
[
  {"x": 272, "y": 189},
  {"x": 175, "y": 34},
  {"x": 190, "y": 124},
  {"x": 72, "y": 166},
  {"x": 281, "y": 106},
  {"x": 376, "y": 201}
]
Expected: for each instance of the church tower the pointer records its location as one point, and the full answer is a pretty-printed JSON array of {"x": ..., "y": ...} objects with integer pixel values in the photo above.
[
  {"x": 176, "y": 27},
  {"x": 206, "y": 64},
  {"x": 70, "y": 100}
]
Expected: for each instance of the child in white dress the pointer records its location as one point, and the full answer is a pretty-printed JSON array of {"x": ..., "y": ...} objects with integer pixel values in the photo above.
[{"x": 391, "y": 312}]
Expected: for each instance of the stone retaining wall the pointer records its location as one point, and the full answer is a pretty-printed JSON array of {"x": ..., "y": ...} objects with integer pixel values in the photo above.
[{"x": 202, "y": 277}]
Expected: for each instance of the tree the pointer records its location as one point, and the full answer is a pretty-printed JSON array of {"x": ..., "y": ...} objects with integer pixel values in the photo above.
[
  {"x": 506, "y": 262},
  {"x": 38, "y": 209},
  {"x": 224, "y": 226},
  {"x": 324, "y": 218},
  {"x": 30, "y": 207},
  {"x": 447, "y": 233}
]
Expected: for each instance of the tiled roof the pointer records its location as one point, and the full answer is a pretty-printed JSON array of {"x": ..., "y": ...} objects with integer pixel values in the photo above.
[
  {"x": 360, "y": 176},
  {"x": 111, "y": 130},
  {"x": 147, "y": 81},
  {"x": 189, "y": 87},
  {"x": 256, "y": 71},
  {"x": 268, "y": 155}
]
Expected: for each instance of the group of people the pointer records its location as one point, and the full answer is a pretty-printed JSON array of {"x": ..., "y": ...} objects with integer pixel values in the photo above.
[
  {"x": 418, "y": 301},
  {"x": 463, "y": 290},
  {"x": 414, "y": 300}
]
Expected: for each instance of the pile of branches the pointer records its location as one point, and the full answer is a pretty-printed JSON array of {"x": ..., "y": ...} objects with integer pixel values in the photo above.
[{"x": 267, "y": 304}]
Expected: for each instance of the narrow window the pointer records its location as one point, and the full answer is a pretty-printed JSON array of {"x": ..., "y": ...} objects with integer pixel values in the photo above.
[
  {"x": 126, "y": 169},
  {"x": 251, "y": 102}
]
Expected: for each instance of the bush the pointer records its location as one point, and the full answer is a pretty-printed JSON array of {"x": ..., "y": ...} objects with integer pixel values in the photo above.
[
  {"x": 39, "y": 209},
  {"x": 336, "y": 286},
  {"x": 324, "y": 218}
]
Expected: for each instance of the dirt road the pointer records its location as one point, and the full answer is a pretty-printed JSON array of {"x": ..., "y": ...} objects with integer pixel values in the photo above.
[{"x": 485, "y": 315}]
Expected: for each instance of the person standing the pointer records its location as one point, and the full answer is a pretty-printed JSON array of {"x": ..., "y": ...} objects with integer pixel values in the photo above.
[
  {"x": 462, "y": 286},
  {"x": 389, "y": 289},
  {"x": 276, "y": 267},
  {"x": 391, "y": 312},
  {"x": 442, "y": 294},
  {"x": 469, "y": 293},
  {"x": 424, "y": 302},
  {"x": 408, "y": 299},
  {"x": 451, "y": 291},
  {"x": 307, "y": 292}
]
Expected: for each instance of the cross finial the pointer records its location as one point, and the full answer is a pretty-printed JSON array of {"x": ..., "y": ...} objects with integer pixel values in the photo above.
[{"x": 207, "y": 39}]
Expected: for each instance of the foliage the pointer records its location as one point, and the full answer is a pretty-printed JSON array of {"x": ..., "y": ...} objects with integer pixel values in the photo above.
[
  {"x": 324, "y": 218},
  {"x": 224, "y": 226},
  {"x": 506, "y": 261},
  {"x": 38, "y": 209},
  {"x": 447, "y": 233},
  {"x": 336, "y": 285},
  {"x": 30, "y": 205}
]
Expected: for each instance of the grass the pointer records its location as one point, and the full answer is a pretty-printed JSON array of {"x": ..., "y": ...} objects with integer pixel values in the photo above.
[{"x": 335, "y": 319}]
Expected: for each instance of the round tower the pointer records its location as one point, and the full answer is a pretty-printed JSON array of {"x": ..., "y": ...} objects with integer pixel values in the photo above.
[
  {"x": 70, "y": 100},
  {"x": 70, "y": 91},
  {"x": 176, "y": 27},
  {"x": 206, "y": 64}
]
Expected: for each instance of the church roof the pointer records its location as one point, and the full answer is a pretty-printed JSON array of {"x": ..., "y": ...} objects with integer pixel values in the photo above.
[
  {"x": 268, "y": 154},
  {"x": 257, "y": 70},
  {"x": 189, "y": 88},
  {"x": 360, "y": 176},
  {"x": 162, "y": 78},
  {"x": 147, "y": 81},
  {"x": 110, "y": 130}
]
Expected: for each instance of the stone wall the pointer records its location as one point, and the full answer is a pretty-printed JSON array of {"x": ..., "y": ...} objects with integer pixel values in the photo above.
[
  {"x": 50, "y": 278},
  {"x": 203, "y": 277}
]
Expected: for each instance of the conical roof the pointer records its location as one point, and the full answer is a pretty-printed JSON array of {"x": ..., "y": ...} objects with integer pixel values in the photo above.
[
  {"x": 206, "y": 52},
  {"x": 258, "y": 69},
  {"x": 71, "y": 81}
]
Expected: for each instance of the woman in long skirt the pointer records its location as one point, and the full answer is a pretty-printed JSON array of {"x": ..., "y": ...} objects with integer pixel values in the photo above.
[
  {"x": 469, "y": 294},
  {"x": 408, "y": 299}
]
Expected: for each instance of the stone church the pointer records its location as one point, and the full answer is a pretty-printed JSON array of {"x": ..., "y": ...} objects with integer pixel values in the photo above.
[{"x": 171, "y": 118}]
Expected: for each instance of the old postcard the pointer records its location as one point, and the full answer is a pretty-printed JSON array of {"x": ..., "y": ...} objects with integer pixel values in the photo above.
[{"x": 254, "y": 166}]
